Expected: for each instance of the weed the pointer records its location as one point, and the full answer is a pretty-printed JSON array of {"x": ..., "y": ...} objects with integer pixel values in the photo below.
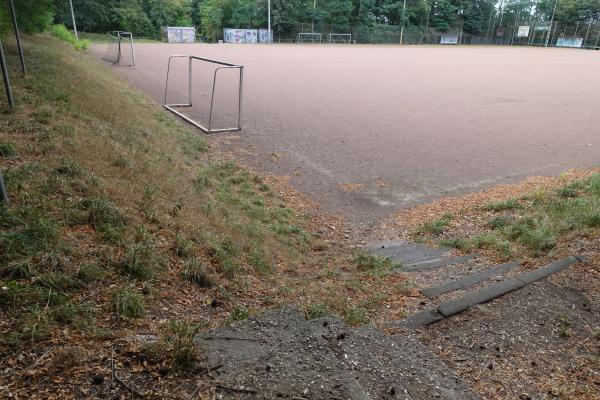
[
  {"x": 179, "y": 341},
  {"x": 183, "y": 247},
  {"x": 592, "y": 185},
  {"x": 196, "y": 272},
  {"x": 496, "y": 206},
  {"x": 103, "y": 214},
  {"x": 406, "y": 287},
  {"x": 128, "y": 303},
  {"x": 500, "y": 222},
  {"x": 258, "y": 262},
  {"x": 59, "y": 282},
  {"x": 457, "y": 243},
  {"x": 140, "y": 261},
  {"x": 7, "y": 150},
  {"x": 567, "y": 192},
  {"x": 564, "y": 326},
  {"x": 367, "y": 262},
  {"x": 238, "y": 314},
  {"x": 435, "y": 227},
  {"x": 355, "y": 316},
  {"x": 89, "y": 273},
  {"x": 317, "y": 310}
]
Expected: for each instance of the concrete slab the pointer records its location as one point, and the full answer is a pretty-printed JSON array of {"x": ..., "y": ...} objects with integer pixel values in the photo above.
[
  {"x": 469, "y": 280},
  {"x": 437, "y": 263},
  {"x": 406, "y": 252},
  {"x": 483, "y": 295}
]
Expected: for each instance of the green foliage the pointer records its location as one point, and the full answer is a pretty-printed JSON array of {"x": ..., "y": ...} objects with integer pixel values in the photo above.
[
  {"x": 179, "y": 343},
  {"x": 61, "y": 32},
  {"x": 238, "y": 314}
]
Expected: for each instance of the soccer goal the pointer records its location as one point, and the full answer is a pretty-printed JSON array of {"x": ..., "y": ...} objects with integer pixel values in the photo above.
[
  {"x": 120, "y": 48},
  {"x": 309, "y": 37},
  {"x": 219, "y": 66},
  {"x": 340, "y": 38}
]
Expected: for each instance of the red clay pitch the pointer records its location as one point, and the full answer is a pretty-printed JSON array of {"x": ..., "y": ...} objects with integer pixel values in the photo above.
[{"x": 408, "y": 123}]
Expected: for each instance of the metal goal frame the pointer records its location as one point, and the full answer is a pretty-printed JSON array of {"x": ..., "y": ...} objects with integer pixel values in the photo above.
[
  {"x": 349, "y": 35},
  {"x": 301, "y": 34},
  {"x": 119, "y": 36},
  {"x": 222, "y": 65}
]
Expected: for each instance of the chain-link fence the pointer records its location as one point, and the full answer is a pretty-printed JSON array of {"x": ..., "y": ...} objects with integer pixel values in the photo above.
[{"x": 523, "y": 33}]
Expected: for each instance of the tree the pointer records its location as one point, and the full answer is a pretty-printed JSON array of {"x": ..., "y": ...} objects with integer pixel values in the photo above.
[{"x": 444, "y": 15}]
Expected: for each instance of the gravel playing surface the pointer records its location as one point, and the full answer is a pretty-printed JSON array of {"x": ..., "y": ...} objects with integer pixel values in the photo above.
[{"x": 370, "y": 129}]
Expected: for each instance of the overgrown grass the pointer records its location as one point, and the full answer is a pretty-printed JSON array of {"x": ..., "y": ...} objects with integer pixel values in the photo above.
[
  {"x": 111, "y": 196},
  {"x": 537, "y": 222}
]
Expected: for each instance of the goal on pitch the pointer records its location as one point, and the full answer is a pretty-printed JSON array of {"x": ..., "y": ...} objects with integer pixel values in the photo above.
[
  {"x": 340, "y": 38},
  {"x": 120, "y": 48},
  {"x": 309, "y": 37}
]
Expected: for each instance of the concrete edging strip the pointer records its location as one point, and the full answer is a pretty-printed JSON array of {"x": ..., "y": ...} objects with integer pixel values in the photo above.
[
  {"x": 469, "y": 280},
  {"x": 490, "y": 292},
  {"x": 437, "y": 263}
]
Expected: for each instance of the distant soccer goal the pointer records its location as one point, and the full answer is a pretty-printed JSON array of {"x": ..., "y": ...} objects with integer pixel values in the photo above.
[
  {"x": 309, "y": 37},
  {"x": 340, "y": 38},
  {"x": 120, "y": 48}
]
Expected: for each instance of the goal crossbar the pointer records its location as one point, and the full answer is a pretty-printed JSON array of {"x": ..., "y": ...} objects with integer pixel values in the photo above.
[
  {"x": 347, "y": 36},
  {"x": 313, "y": 35},
  {"x": 221, "y": 65}
]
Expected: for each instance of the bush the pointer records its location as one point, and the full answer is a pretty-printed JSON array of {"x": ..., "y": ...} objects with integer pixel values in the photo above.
[{"x": 61, "y": 32}]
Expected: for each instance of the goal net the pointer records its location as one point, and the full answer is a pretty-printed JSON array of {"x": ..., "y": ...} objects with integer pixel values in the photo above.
[
  {"x": 309, "y": 37},
  {"x": 340, "y": 38},
  {"x": 119, "y": 49}
]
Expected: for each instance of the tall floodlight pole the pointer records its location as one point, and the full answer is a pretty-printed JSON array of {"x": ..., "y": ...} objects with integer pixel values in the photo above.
[
  {"x": 551, "y": 23},
  {"x": 312, "y": 26},
  {"x": 403, "y": 16},
  {"x": 269, "y": 20},
  {"x": 17, "y": 36},
  {"x": 73, "y": 18}
]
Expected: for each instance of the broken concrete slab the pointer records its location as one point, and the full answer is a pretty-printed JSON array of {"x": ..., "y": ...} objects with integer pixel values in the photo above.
[
  {"x": 282, "y": 355},
  {"x": 469, "y": 280},
  {"x": 406, "y": 252},
  {"x": 422, "y": 318}
]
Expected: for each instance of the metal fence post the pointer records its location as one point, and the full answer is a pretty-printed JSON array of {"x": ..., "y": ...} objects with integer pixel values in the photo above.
[
  {"x": 3, "y": 194},
  {"x": 14, "y": 20},
  {"x": 9, "y": 95}
]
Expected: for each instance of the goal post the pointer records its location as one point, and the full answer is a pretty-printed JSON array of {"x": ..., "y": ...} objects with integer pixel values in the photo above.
[
  {"x": 309, "y": 37},
  {"x": 120, "y": 48},
  {"x": 340, "y": 38},
  {"x": 220, "y": 65}
]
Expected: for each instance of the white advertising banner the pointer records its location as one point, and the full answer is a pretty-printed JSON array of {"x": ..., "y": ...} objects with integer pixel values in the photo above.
[
  {"x": 523, "y": 31},
  {"x": 178, "y": 34},
  {"x": 569, "y": 42},
  {"x": 263, "y": 36},
  {"x": 449, "y": 39},
  {"x": 251, "y": 36},
  {"x": 234, "y": 35}
]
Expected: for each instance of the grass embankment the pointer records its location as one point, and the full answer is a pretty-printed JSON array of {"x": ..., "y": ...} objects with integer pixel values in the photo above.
[
  {"x": 541, "y": 222},
  {"x": 123, "y": 222}
]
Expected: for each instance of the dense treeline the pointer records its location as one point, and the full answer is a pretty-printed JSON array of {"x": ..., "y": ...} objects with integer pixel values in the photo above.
[{"x": 145, "y": 17}]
